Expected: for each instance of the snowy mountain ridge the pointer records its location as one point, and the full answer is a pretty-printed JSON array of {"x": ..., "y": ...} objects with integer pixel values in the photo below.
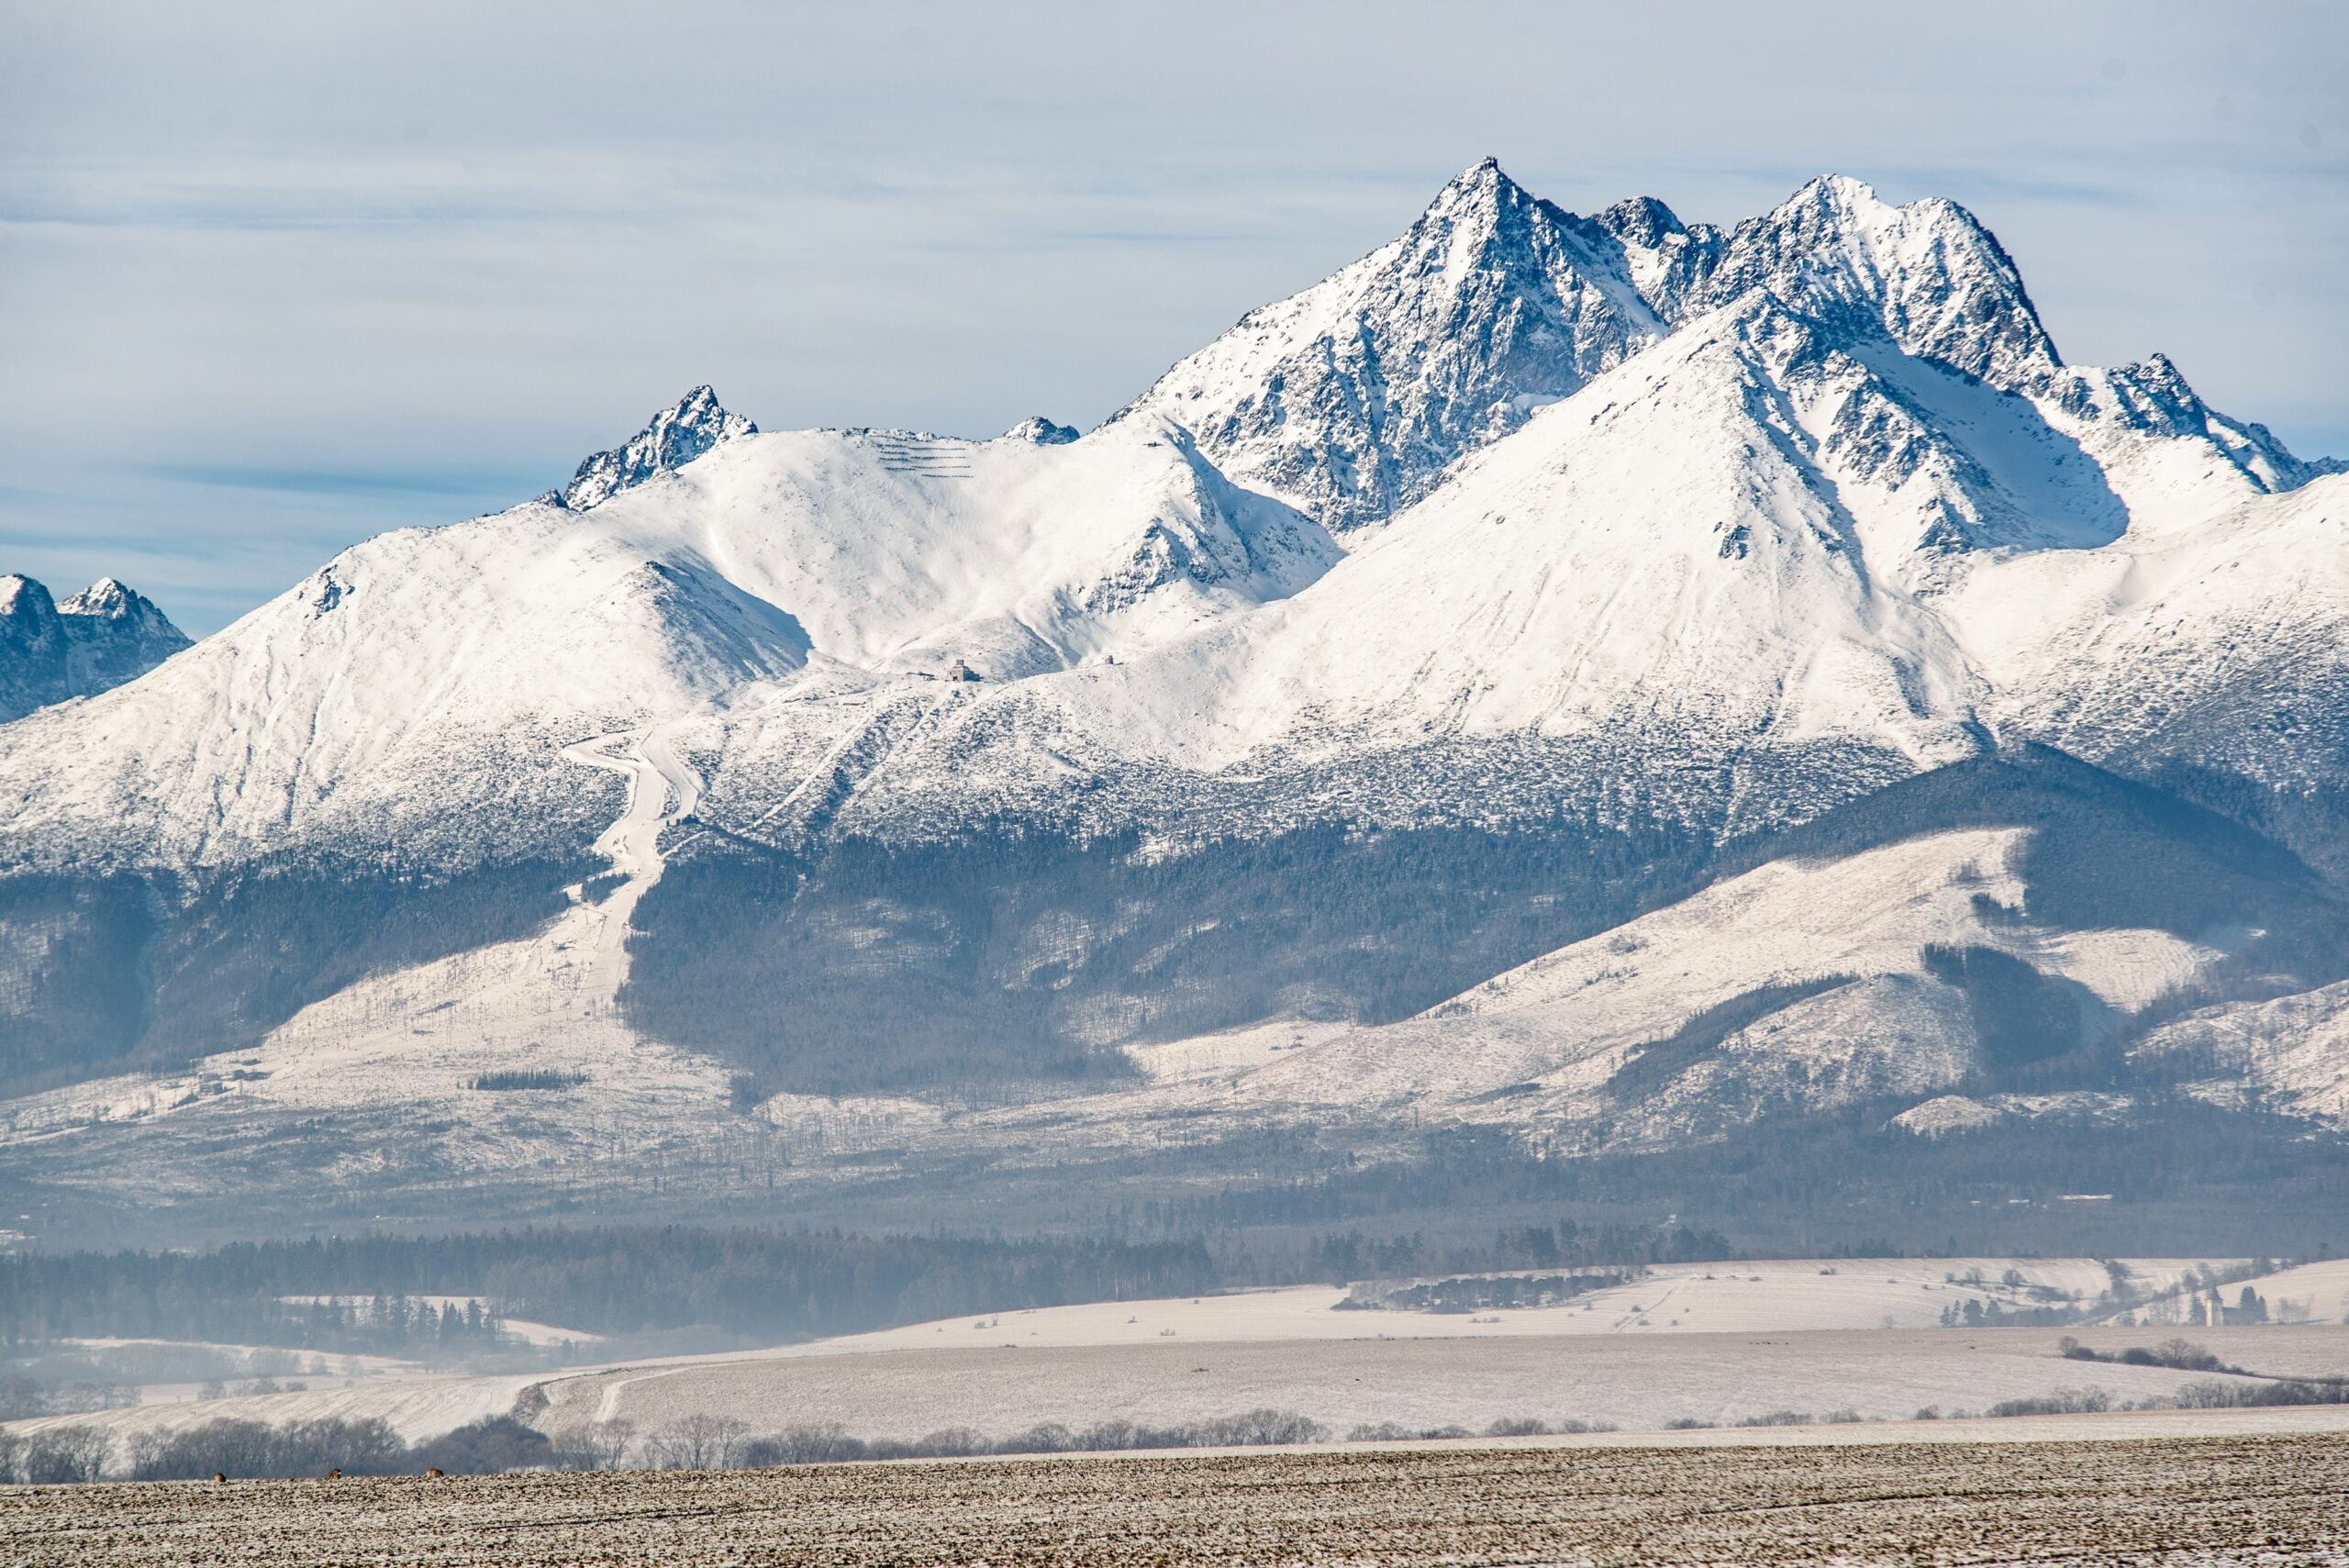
[{"x": 1350, "y": 398}]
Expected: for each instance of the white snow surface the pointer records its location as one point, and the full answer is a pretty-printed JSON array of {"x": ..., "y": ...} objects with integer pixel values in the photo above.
[
  {"x": 1745, "y": 1296},
  {"x": 1756, "y": 567},
  {"x": 428, "y": 680},
  {"x": 2221, "y": 642}
]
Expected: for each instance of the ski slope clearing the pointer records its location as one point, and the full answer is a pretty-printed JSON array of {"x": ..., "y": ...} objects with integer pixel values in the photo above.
[{"x": 434, "y": 1042}]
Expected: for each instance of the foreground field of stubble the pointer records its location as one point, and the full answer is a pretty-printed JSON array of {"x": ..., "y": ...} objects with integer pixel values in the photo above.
[{"x": 2283, "y": 1500}]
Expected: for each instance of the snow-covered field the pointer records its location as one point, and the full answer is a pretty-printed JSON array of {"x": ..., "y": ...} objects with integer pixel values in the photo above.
[
  {"x": 1777, "y": 1295},
  {"x": 418, "y": 1407},
  {"x": 1715, "y": 1341},
  {"x": 1001, "y": 1383},
  {"x": 2315, "y": 1293}
]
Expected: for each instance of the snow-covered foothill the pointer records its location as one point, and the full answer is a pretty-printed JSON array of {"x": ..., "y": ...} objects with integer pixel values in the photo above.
[
  {"x": 2290, "y": 1054},
  {"x": 1830, "y": 951}
]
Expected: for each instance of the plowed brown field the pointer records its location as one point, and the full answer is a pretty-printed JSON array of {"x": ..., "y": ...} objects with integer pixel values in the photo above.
[{"x": 2281, "y": 1500}]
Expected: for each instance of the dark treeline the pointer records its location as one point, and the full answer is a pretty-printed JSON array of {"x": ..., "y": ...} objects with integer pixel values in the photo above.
[
  {"x": 607, "y": 1280},
  {"x": 1344, "y": 1257},
  {"x": 21, "y": 1398},
  {"x": 1481, "y": 1293},
  {"x": 2184, "y": 1177},
  {"x": 156, "y": 972},
  {"x": 245, "y": 1448},
  {"x": 356, "y": 1294},
  {"x": 832, "y": 1444},
  {"x": 742, "y": 948}
]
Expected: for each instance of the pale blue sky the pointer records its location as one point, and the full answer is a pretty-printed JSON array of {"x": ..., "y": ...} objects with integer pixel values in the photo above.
[{"x": 275, "y": 278}]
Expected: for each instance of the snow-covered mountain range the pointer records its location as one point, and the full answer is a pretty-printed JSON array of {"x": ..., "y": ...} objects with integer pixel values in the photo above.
[{"x": 1607, "y": 677}]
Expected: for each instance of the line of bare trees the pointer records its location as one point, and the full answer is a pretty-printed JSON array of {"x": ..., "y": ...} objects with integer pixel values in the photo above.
[{"x": 240, "y": 1448}]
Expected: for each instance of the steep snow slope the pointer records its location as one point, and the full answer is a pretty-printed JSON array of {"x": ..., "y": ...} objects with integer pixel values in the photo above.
[
  {"x": 1665, "y": 586},
  {"x": 1657, "y": 552},
  {"x": 414, "y": 691},
  {"x": 2222, "y": 646},
  {"x": 1762, "y": 564},
  {"x": 901, "y": 552},
  {"x": 419, "y": 688},
  {"x": 94, "y": 641}
]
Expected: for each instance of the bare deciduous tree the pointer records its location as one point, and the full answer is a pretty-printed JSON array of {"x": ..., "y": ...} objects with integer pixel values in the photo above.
[
  {"x": 594, "y": 1445},
  {"x": 64, "y": 1456},
  {"x": 698, "y": 1443}
]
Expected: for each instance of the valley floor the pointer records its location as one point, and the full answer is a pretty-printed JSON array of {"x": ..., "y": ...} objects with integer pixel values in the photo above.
[
  {"x": 2269, "y": 1500},
  {"x": 1846, "y": 1346}
]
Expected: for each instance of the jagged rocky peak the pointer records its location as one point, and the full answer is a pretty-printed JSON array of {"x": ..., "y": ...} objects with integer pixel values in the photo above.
[
  {"x": 28, "y": 620},
  {"x": 1042, "y": 431},
  {"x": 97, "y": 639},
  {"x": 24, "y": 596},
  {"x": 111, "y": 600},
  {"x": 1641, "y": 220},
  {"x": 2153, "y": 398},
  {"x": 1926, "y": 270},
  {"x": 1353, "y": 398},
  {"x": 1349, "y": 399},
  {"x": 673, "y": 438}
]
